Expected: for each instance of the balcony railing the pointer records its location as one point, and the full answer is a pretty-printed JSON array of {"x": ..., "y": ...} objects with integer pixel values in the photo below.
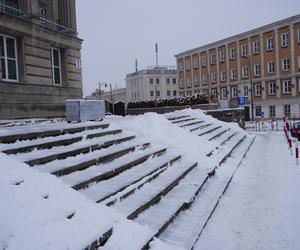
[{"x": 44, "y": 22}]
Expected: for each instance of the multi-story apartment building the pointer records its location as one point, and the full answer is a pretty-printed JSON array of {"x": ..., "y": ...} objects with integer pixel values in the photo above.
[
  {"x": 264, "y": 61},
  {"x": 40, "y": 57},
  {"x": 152, "y": 84}
]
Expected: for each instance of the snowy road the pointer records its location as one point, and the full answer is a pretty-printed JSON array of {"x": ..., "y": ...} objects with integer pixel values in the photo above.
[{"x": 261, "y": 208}]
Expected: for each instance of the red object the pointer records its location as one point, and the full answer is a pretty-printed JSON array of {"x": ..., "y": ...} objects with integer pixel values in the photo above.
[
  {"x": 290, "y": 143},
  {"x": 288, "y": 126},
  {"x": 284, "y": 119},
  {"x": 296, "y": 133},
  {"x": 297, "y": 153}
]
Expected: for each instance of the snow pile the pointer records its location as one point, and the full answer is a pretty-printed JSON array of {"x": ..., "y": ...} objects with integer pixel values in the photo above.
[
  {"x": 156, "y": 128},
  {"x": 39, "y": 212}
]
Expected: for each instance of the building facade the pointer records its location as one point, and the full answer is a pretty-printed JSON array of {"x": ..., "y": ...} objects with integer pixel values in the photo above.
[
  {"x": 264, "y": 61},
  {"x": 152, "y": 84},
  {"x": 40, "y": 57}
]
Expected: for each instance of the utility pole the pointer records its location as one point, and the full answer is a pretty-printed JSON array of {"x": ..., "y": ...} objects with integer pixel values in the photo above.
[
  {"x": 112, "y": 101},
  {"x": 156, "y": 51}
]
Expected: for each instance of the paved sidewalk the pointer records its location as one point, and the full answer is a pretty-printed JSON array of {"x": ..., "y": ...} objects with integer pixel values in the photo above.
[{"x": 261, "y": 208}]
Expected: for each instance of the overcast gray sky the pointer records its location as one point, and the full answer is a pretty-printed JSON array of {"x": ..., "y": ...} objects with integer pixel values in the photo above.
[{"x": 115, "y": 32}]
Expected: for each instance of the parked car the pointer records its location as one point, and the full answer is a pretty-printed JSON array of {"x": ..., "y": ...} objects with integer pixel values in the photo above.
[{"x": 296, "y": 124}]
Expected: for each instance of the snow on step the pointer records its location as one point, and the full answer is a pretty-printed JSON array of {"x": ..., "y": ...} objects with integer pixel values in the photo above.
[
  {"x": 169, "y": 204},
  {"x": 39, "y": 212},
  {"x": 185, "y": 229},
  {"x": 59, "y": 149},
  {"x": 149, "y": 190},
  {"x": 55, "y": 165},
  {"x": 84, "y": 175},
  {"x": 102, "y": 189},
  {"x": 25, "y": 143}
]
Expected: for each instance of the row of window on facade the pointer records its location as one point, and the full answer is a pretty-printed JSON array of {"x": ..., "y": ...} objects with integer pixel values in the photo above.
[
  {"x": 233, "y": 53},
  {"x": 168, "y": 81},
  {"x": 234, "y": 73},
  {"x": 169, "y": 93},
  {"x": 9, "y": 61},
  {"x": 272, "y": 110}
]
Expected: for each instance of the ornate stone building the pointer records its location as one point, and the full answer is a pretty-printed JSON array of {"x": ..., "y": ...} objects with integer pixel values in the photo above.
[{"x": 40, "y": 57}]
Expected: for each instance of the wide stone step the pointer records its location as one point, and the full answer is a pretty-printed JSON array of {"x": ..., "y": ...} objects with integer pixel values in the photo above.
[
  {"x": 178, "y": 117},
  {"x": 219, "y": 134},
  {"x": 183, "y": 120},
  {"x": 97, "y": 160},
  {"x": 77, "y": 151},
  {"x": 209, "y": 131},
  {"x": 191, "y": 124},
  {"x": 116, "y": 171},
  {"x": 201, "y": 127},
  {"x": 48, "y": 133},
  {"x": 131, "y": 180}
]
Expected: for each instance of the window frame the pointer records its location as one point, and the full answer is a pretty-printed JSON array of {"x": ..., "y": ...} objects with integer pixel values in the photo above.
[
  {"x": 213, "y": 77},
  {"x": 287, "y": 107},
  {"x": 244, "y": 49},
  {"x": 53, "y": 66},
  {"x": 245, "y": 69},
  {"x": 270, "y": 43},
  {"x": 246, "y": 90},
  {"x": 224, "y": 93},
  {"x": 284, "y": 39},
  {"x": 286, "y": 86},
  {"x": 256, "y": 47},
  {"x": 223, "y": 76},
  {"x": 258, "y": 89},
  {"x": 273, "y": 67},
  {"x": 233, "y": 76},
  {"x": 232, "y": 53},
  {"x": 257, "y": 70},
  {"x": 272, "y": 111},
  {"x": 258, "y": 108},
  {"x": 6, "y": 58},
  {"x": 222, "y": 56},
  {"x": 272, "y": 88},
  {"x": 285, "y": 64}
]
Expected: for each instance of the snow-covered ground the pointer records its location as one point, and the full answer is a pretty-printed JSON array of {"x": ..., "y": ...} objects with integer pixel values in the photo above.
[
  {"x": 261, "y": 208},
  {"x": 258, "y": 211}
]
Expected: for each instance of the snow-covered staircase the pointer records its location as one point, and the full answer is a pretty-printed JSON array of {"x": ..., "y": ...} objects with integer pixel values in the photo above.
[{"x": 143, "y": 180}]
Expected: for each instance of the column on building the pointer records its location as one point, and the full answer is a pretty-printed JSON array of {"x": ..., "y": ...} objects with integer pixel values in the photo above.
[
  {"x": 262, "y": 66},
  {"x": 29, "y": 6},
  {"x": 278, "y": 81},
  {"x": 293, "y": 80},
  {"x": 67, "y": 13}
]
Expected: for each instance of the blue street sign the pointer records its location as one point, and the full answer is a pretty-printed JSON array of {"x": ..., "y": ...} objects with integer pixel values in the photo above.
[
  {"x": 241, "y": 100},
  {"x": 262, "y": 114}
]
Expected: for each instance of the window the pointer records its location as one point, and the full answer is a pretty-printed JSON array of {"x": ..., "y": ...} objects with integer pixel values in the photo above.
[
  {"x": 298, "y": 36},
  {"x": 203, "y": 60},
  {"x": 151, "y": 80},
  {"x": 271, "y": 67},
  {"x": 223, "y": 93},
  {"x": 9, "y": 62},
  {"x": 257, "y": 110},
  {"x": 213, "y": 58},
  {"x": 196, "y": 80},
  {"x": 151, "y": 93},
  {"x": 244, "y": 49},
  {"x": 168, "y": 80},
  {"x": 174, "y": 81},
  {"x": 204, "y": 79},
  {"x": 195, "y": 62},
  {"x": 258, "y": 89},
  {"x": 232, "y": 53},
  {"x": 188, "y": 82},
  {"x": 213, "y": 77},
  {"x": 286, "y": 64},
  {"x": 214, "y": 92},
  {"x": 299, "y": 85},
  {"x": 168, "y": 92},
  {"x": 181, "y": 83},
  {"x": 174, "y": 93},
  {"x": 222, "y": 56},
  {"x": 256, "y": 47},
  {"x": 157, "y": 80},
  {"x": 181, "y": 66},
  {"x": 234, "y": 92},
  {"x": 182, "y": 94},
  {"x": 223, "y": 76},
  {"x": 272, "y": 88},
  {"x": 56, "y": 65},
  {"x": 246, "y": 90},
  {"x": 284, "y": 40},
  {"x": 245, "y": 71},
  {"x": 158, "y": 93},
  {"x": 272, "y": 111},
  {"x": 270, "y": 45},
  {"x": 233, "y": 74},
  {"x": 286, "y": 86},
  {"x": 256, "y": 69},
  {"x": 187, "y": 65},
  {"x": 298, "y": 62},
  {"x": 189, "y": 93},
  {"x": 287, "y": 110}
]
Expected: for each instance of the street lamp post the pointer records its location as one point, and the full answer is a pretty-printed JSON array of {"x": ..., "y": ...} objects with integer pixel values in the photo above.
[{"x": 251, "y": 85}]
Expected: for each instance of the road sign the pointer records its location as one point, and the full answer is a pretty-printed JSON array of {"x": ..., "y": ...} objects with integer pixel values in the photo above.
[
  {"x": 241, "y": 100},
  {"x": 262, "y": 114}
]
